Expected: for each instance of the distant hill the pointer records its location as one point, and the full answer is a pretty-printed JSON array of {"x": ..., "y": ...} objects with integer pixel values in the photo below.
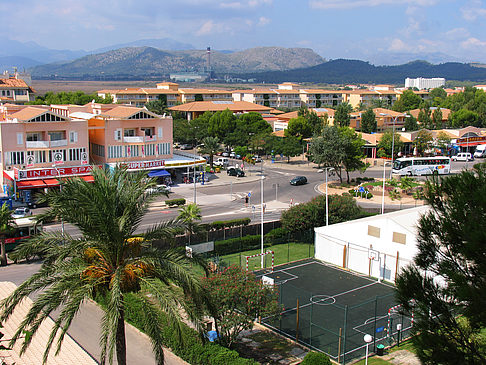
[
  {"x": 163, "y": 43},
  {"x": 354, "y": 71},
  {"x": 132, "y": 62}
]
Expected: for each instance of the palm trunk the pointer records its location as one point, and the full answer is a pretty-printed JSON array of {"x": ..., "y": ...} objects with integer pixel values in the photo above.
[
  {"x": 3, "y": 253},
  {"x": 121, "y": 346}
]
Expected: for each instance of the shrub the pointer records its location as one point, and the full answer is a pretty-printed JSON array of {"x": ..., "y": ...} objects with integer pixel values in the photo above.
[
  {"x": 276, "y": 235},
  {"x": 316, "y": 358},
  {"x": 175, "y": 202},
  {"x": 237, "y": 244},
  {"x": 216, "y": 225}
]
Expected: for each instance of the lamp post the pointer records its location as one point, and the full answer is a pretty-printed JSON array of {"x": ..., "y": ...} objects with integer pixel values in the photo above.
[
  {"x": 195, "y": 158},
  {"x": 367, "y": 338},
  {"x": 327, "y": 169},
  {"x": 393, "y": 135},
  {"x": 399, "y": 328},
  {"x": 60, "y": 188},
  {"x": 261, "y": 216},
  {"x": 383, "y": 197}
]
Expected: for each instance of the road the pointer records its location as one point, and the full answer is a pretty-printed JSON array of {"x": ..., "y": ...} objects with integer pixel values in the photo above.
[{"x": 223, "y": 197}]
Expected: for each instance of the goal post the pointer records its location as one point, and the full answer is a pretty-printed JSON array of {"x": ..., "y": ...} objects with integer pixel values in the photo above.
[{"x": 259, "y": 255}]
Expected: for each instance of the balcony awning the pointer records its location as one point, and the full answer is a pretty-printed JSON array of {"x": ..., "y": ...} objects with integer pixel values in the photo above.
[
  {"x": 158, "y": 173},
  {"x": 51, "y": 182},
  {"x": 31, "y": 184},
  {"x": 87, "y": 178}
]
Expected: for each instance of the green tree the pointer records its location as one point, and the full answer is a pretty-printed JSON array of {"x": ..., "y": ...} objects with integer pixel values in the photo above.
[
  {"x": 424, "y": 117},
  {"x": 443, "y": 140},
  {"x": 158, "y": 106},
  {"x": 220, "y": 123},
  {"x": 386, "y": 143},
  {"x": 407, "y": 101},
  {"x": 289, "y": 147},
  {"x": 445, "y": 286},
  {"x": 411, "y": 124},
  {"x": 368, "y": 121},
  {"x": 328, "y": 150},
  {"x": 353, "y": 151},
  {"x": 423, "y": 141},
  {"x": 299, "y": 127},
  {"x": 237, "y": 298},
  {"x": 211, "y": 147},
  {"x": 437, "y": 96},
  {"x": 463, "y": 118},
  {"x": 342, "y": 115},
  {"x": 7, "y": 224},
  {"x": 437, "y": 119},
  {"x": 190, "y": 214},
  {"x": 107, "y": 261},
  {"x": 71, "y": 97}
]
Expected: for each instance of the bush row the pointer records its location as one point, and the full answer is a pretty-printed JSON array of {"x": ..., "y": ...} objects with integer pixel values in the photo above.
[
  {"x": 191, "y": 349},
  {"x": 175, "y": 202},
  {"x": 217, "y": 225}
]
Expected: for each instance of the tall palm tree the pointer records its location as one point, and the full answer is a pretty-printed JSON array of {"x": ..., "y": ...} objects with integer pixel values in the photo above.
[
  {"x": 107, "y": 260},
  {"x": 189, "y": 214},
  {"x": 211, "y": 147},
  {"x": 7, "y": 223}
]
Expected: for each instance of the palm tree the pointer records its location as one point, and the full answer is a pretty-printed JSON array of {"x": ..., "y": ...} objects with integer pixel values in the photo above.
[
  {"x": 107, "y": 261},
  {"x": 188, "y": 215},
  {"x": 211, "y": 147},
  {"x": 7, "y": 223}
]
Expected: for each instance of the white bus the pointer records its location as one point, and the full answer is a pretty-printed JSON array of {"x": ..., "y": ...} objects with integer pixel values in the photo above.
[{"x": 422, "y": 165}]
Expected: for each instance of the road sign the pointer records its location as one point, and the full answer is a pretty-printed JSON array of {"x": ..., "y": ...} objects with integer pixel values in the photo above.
[
  {"x": 30, "y": 160},
  {"x": 249, "y": 194},
  {"x": 84, "y": 158},
  {"x": 58, "y": 159},
  {"x": 361, "y": 189},
  {"x": 380, "y": 329}
]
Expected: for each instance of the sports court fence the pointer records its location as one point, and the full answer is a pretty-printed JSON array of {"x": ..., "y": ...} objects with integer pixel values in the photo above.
[{"x": 338, "y": 330}]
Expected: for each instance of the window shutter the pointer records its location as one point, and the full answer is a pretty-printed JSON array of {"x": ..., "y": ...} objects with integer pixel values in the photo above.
[
  {"x": 20, "y": 138},
  {"x": 160, "y": 133}
]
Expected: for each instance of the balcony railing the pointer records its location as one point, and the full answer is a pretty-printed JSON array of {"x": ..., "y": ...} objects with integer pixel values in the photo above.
[
  {"x": 37, "y": 144},
  {"x": 59, "y": 143},
  {"x": 133, "y": 139},
  {"x": 150, "y": 138}
]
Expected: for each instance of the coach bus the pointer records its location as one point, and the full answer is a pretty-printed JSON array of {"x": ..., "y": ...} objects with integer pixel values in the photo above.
[
  {"x": 24, "y": 228},
  {"x": 422, "y": 165}
]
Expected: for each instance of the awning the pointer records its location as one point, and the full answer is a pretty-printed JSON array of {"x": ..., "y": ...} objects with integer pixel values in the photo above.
[
  {"x": 30, "y": 184},
  {"x": 87, "y": 178},
  {"x": 158, "y": 173},
  {"x": 470, "y": 144},
  {"x": 51, "y": 182}
]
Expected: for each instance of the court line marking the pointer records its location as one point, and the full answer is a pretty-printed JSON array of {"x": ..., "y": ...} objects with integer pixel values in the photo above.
[{"x": 333, "y": 296}]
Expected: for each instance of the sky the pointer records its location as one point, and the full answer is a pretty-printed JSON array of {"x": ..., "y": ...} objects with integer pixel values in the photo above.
[{"x": 354, "y": 29}]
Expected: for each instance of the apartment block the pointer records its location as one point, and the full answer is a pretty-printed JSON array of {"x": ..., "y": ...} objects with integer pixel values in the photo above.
[{"x": 15, "y": 90}]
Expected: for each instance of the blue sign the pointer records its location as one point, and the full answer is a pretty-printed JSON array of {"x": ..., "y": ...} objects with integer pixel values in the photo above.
[
  {"x": 361, "y": 189},
  {"x": 249, "y": 195},
  {"x": 380, "y": 329}
]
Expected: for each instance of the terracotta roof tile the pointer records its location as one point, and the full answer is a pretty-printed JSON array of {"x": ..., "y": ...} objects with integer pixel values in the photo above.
[{"x": 234, "y": 106}]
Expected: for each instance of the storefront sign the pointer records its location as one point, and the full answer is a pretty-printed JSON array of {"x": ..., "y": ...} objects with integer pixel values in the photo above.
[
  {"x": 30, "y": 161},
  {"x": 60, "y": 171},
  {"x": 58, "y": 159},
  {"x": 471, "y": 139},
  {"x": 84, "y": 158},
  {"x": 142, "y": 165}
]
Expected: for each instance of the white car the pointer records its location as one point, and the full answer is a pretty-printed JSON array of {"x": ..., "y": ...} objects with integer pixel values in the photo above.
[
  {"x": 158, "y": 189},
  {"x": 21, "y": 212},
  {"x": 463, "y": 156}
]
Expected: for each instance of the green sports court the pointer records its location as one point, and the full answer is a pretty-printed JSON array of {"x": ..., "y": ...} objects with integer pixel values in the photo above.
[{"x": 330, "y": 309}]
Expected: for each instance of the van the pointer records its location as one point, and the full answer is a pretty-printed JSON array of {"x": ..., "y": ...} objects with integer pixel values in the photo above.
[
  {"x": 480, "y": 151},
  {"x": 463, "y": 156},
  {"x": 222, "y": 161}
]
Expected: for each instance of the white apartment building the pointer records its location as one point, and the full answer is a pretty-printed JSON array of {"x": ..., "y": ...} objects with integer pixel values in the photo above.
[{"x": 423, "y": 83}]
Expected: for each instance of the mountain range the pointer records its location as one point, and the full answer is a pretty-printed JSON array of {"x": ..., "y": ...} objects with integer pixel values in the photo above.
[{"x": 142, "y": 62}]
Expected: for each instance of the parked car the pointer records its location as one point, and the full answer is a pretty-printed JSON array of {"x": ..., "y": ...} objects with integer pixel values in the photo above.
[
  {"x": 186, "y": 147},
  {"x": 298, "y": 180},
  {"x": 233, "y": 171},
  {"x": 221, "y": 161},
  {"x": 480, "y": 151},
  {"x": 225, "y": 154},
  {"x": 159, "y": 188},
  {"x": 35, "y": 204},
  {"x": 232, "y": 155},
  {"x": 463, "y": 156},
  {"x": 21, "y": 212},
  {"x": 257, "y": 159}
]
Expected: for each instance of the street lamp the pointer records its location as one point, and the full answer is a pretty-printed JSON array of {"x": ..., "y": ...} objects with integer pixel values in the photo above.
[
  {"x": 327, "y": 169},
  {"x": 383, "y": 197},
  {"x": 194, "y": 178},
  {"x": 60, "y": 189},
  {"x": 261, "y": 216},
  {"x": 367, "y": 338},
  {"x": 399, "y": 328}
]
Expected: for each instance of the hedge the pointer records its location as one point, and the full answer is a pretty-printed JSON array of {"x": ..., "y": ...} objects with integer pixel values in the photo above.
[
  {"x": 276, "y": 235},
  {"x": 175, "y": 202},
  {"x": 216, "y": 225},
  {"x": 191, "y": 349},
  {"x": 233, "y": 245},
  {"x": 316, "y": 358}
]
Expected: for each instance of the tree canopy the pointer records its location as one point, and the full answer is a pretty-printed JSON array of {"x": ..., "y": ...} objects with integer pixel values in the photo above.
[
  {"x": 71, "y": 97},
  {"x": 445, "y": 285},
  {"x": 342, "y": 115},
  {"x": 368, "y": 121},
  {"x": 407, "y": 101}
]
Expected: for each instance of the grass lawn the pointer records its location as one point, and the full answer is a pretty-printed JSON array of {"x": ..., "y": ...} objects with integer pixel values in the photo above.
[
  {"x": 406, "y": 345},
  {"x": 283, "y": 253},
  {"x": 373, "y": 361}
]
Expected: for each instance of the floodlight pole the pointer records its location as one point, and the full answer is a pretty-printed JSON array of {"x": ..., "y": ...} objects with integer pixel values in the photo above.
[
  {"x": 261, "y": 216},
  {"x": 383, "y": 196},
  {"x": 327, "y": 169},
  {"x": 367, "y": 338}
]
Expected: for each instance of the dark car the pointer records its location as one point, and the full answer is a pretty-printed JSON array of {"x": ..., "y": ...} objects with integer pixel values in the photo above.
[
  {"x": 236, "y": 172},
  {"x": 298, "y": 180},
  {"x": 36, "y": 204}
]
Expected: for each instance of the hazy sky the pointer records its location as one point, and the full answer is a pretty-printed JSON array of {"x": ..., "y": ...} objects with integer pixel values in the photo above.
[{"x": 333, "y": 28}]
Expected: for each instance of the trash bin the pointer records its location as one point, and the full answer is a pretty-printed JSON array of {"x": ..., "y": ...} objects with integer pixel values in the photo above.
[{"x": 379, "y": 349}]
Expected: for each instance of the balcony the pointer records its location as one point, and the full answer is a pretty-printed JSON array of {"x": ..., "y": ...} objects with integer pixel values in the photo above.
[
  {"x": 37, "y": 144},
  {"x": 150, "y": 138},
  {"x": 133, "y": 139},
  {"x": 59, "y": 143}
]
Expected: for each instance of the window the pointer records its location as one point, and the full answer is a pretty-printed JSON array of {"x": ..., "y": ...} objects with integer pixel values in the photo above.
[
  {"x": 56, "y": 136},
  {"x": 75, "y": 153},
  {"x": 118, "y": 134},
  {"x": 14, "y": 158},
  {"x": 98, "y": 150},
  {"x": 73, "y": 137},
  {"x": 51, "y": 157},
  {"x": 160, "y": 132},
  {"x": 373, "y": 231},
  {"x": 115, "y": 151},
  {"x": 148, "y": 131},
  {"x": 20, "y": 138},
  {"x": 129, "y": 133},
  {"x": 34, "y": 136}
]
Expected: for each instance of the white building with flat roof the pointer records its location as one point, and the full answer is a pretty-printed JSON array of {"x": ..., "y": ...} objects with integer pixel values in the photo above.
[{"x": 423, "y": 83}]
